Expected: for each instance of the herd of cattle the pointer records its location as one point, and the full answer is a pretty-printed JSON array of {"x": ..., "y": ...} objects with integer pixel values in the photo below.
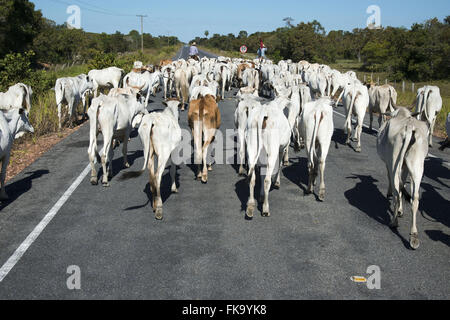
[{"x": 297, "y": 108}]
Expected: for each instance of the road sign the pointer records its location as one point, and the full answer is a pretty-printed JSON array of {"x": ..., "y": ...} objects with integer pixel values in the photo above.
[{"x": 243, "y": 49}]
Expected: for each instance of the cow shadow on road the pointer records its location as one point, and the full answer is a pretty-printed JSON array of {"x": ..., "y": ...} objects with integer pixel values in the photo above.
[
  {"x": 297, "y": 173},
  {"x": 366, "y": 197},
  {"x": 166, "y": 191},
  {"x": 434, "y": 205},
  {"x": 18, "y": 188},
  {"x": 118, "y": 163},
  {"x": 435, "y": 170}
]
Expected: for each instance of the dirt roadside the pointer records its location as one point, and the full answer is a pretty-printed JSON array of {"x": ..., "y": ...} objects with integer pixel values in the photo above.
[{"x": 25, "y": 153}]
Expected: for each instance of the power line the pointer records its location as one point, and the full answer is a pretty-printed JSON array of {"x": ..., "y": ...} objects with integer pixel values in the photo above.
[
  {"x": 106, "y": 11},
  {"x": 142, "y": 30},
  {"x": 94, "y": 10}
]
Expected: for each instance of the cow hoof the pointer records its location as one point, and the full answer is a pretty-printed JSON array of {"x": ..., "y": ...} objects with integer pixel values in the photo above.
[
  {"x": 210, "y": 168},
  {"x": 322, "y": 195},
  {"x": 358, "y": 149},
  {"x": 250, "y": 211},
  {"x": 106, "y": 184},
  {"x": 414, "y": 241},
  {"x": 277, "y": 185},
  {"x": 266, "y": 214},
  {"x": 94, "y": 181},
  {"x": 159, "y": 214},
  {"x": 400, "y": 214},
  {"x": 204, "y": 181},
  {"x": 175, "y": 190},
  {"x": 286, "y": 163},
  {"x": 127, "y": 165},
  {"x": 242, "y": 172}
]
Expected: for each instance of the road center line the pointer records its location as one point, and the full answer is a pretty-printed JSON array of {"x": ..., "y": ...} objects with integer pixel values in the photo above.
[
  {"x": 445, "y": 163},
  {"x": 12, "y": 261}
]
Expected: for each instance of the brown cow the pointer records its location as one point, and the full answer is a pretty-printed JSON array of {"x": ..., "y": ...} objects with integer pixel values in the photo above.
[
  {"x": 163, "y": 63},
  {"x": 204, "y": 120}
]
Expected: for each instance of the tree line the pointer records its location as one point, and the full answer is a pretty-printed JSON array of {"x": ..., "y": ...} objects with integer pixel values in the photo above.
[
  {"x": 24, "y": 29},
  {"x": 419, "y": 53}
]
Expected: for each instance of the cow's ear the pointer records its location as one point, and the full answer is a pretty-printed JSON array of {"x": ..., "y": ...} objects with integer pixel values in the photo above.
[
  {"x": 138, "y": 97},
  {"x": 21, "y": 111}
]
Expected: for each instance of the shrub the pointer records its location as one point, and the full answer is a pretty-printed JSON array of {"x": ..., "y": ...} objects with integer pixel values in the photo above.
[{"x": 102, "y": 60}]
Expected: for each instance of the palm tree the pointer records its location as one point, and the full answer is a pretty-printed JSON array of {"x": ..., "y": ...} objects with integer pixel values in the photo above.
[{"x": 206, "y": 33}]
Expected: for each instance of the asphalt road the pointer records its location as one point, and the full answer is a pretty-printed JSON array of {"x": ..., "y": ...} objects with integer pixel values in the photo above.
[{"x": 205, "y": 248}]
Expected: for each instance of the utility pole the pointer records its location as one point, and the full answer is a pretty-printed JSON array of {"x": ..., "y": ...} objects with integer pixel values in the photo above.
[{"x": 142, "y": 30}]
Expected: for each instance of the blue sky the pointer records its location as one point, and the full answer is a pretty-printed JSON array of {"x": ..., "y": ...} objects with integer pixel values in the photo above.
[{"x": 188, "y": 19}]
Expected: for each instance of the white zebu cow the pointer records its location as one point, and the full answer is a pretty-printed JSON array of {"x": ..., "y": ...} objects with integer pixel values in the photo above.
[
  {"x": 356, "y": 101},
  {"x": 12, "y": 124},
  {"x": 383, "y": 99},
  {"x": 203, "y": 91},
  {"x": 71, "y": 91},
  {"x": 114, "y": 117},
  {"x": 267, "y": 129},
  {"x": 246, "y": 104},
  {"x": 160, "y": 134},
  {"x": 18, "y": 96},
  {"x": 317, "y": 81},
  {"x": 141, "y": 81},
  {"x": 168, "y": 73},
  {"x": 223, "y": 77},
  {"x": 316, "y": 128},
  {"x": 182, "y": 87},
  {"x": 106, "y": 77},
  {"x": 402, "y": 145},
  {"x": 115, "y": 92},
  {"x": 429, "y": 104},
  {"x": 293, "y": 115}
]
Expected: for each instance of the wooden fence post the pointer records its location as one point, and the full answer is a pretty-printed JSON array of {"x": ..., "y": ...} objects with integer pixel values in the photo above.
[
  {"x": 403, "y": 86},
  {"x": 413, "y": 86}
]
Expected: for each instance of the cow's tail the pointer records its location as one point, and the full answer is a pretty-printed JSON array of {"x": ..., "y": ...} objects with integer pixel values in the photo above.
[
  {"x": 185, "y": 90},
  {"x": 419, "y": 105},
  {"x": 27, "y": 96},
  {"x": 318, "y": 116},
  {"x": 146, "y": 132},
  {"x": 425, "y": 104},
  {"x": 259, "y": 142},
  {"x": 392, "y": 99},
  {"x": 60, "y": 93},
  {"x": 94, "y": 111},
  {"x": 407, "y": 137},
  {"x": 122, "y": 75},
  {"x": 348, "y": 121}
]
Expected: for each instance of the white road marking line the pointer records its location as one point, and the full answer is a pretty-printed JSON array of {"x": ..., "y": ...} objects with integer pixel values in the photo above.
[
  {"x": 12, "y": 261},
  {"x": 445, "y": 163}
]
